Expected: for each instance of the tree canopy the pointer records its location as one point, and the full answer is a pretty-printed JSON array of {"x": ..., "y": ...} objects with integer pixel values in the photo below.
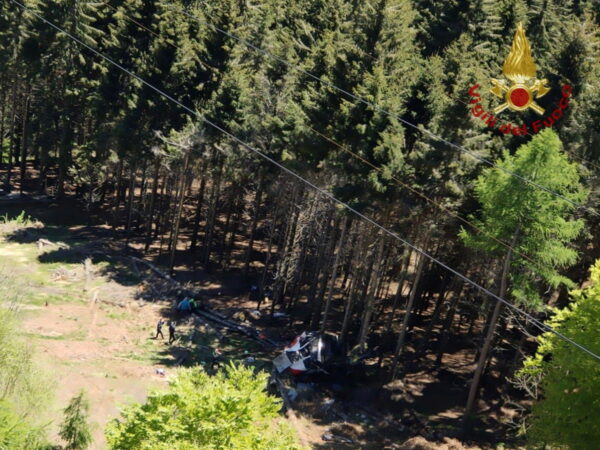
[{"x": 228, "y": 410}]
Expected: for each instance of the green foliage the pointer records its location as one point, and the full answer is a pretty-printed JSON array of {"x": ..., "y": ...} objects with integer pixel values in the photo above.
[
  {"x": 22, "y": 219},
  {"x": 536, "y": 220},
  {"x": 75, "y": 429},
  {"x": 566, "y": 415},
  {"x": 230, "y": 410},
  {"x": 16, "y": 433},
  {"x": 20, "y": 381},
  {"x": 22, "y": 393}
]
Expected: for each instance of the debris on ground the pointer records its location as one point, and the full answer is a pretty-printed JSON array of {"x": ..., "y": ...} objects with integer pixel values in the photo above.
[
  {"x": 327, "y": 405},
  {"x": 311, "y": 352},
  {"x": 42, "y": 243},
  {"x": 292, "y": 394},
  {"x": 420, "y": 443},
  {"x": 329, "y": 437},
  {"x": 63, "y": 274}
]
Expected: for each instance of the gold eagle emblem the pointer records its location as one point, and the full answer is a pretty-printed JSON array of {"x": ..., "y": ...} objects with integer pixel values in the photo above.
[{"x": 520, "y": 68}]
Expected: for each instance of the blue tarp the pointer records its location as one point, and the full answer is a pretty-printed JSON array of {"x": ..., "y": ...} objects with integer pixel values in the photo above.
[{"x": 184, "y": 305}]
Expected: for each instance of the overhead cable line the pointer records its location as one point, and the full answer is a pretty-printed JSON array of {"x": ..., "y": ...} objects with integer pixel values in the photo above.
[
  {"x": 452, "y": 97},
  {"x": 540, "y": 325},
  {"x": 423, "y": 196},
  {"x": 364, "y": 52},
  {"x": 360, "y": 99},
  {"x": 413, "y": 190}
]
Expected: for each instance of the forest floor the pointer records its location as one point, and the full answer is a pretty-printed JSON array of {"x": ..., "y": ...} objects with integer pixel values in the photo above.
[
  {"x": 97, "y": 335},
  {"x": 99, "y": 340}
]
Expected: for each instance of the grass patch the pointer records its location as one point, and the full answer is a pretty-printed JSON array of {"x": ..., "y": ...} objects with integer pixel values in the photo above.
[
  {"x": 116, "y": 315},
  {"x": 41, "y": 298},
  {"x": 145, "y": 357},
  {"x": 78, "y": 335}
]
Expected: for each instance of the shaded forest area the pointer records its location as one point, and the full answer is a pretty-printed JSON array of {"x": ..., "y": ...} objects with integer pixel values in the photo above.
[{"x": 72, "y": 126}]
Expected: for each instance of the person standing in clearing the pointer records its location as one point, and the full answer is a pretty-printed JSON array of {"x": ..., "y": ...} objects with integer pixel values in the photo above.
[
  {"x": 171, "y": 332},
  {"x": 159, "y": 326}
]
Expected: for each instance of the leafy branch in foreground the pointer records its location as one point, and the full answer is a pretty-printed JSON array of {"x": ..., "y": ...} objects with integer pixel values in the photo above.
[
  {"x": 566, "y": 415},
  {"x": 229, "y": 410}
]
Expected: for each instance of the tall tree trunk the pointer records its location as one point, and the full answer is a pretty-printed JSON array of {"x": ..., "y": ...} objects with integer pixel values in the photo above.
[
  {"x": 118, "y": 194},
  {"x": 2, "y": 121},
  {"x": 322, "y": 274},
  {"x": 408, "y": 312},
  {"x": 152, "y": 206},
  {"x": 130, "y": 197},
  {"x": 63, "y": 158},
  {"x": 285, "y": 249},
  {"x": 179, "y": 212},
  {"x": 142, "y": 198},
  {"x": 231, "y": 201},
  {"x": 198, "y": 213},
  {"x": 163, "y": 205},
  {"x": 354, "y": 286},
  {"x": 442, "y": 297},
  {"x": 447, "y": 326},
  {"x": 373, "y": 283},
  {"x": 255, "y": 217},
  {"x": 349, "y": 259},
  {"x": 11, "y": 149},
  {"x": 167, "y": 216},
  {"x": 263, "y": 279},
  {"x": 236, "y": 219},
  {"x": 212, "y": 217},
  {"x": 489, "y": 336},
  {"x": 405, "y": 264},
  {"x": 402, "y": 271},
  {"x": 334, "y": 275}
]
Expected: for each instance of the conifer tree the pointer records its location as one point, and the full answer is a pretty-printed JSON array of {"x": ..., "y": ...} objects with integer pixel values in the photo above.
[
  {"x": 75, "y": 430},
  {"x": 75, "y": 73},
  {"x": 533, "y": 221}
]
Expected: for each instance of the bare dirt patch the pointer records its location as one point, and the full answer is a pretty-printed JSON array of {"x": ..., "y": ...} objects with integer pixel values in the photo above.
[{"x": 105, "y": 350}]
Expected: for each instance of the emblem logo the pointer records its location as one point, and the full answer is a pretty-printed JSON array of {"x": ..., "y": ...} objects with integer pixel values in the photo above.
[{"x": 520, "y": 68}]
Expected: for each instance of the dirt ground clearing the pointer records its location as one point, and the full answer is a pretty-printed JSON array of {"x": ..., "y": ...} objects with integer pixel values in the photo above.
[{"x": 105, "y": 350}]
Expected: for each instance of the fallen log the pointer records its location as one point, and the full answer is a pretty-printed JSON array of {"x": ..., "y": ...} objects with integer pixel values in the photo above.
[
  {"x": 45, "y": 242},
  {"x": 330, "y": 437},
  {"x": 249, "y": 332},
  {"x": 155, "y": 269}
]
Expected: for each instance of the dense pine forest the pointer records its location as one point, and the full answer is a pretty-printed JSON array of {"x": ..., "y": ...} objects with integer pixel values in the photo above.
[{"x": 370, "y": 103}]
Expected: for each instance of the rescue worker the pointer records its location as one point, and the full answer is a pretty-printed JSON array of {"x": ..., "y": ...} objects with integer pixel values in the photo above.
[
  {"x": 171, "y": 332},
  {"x": 159, "y": 326}
]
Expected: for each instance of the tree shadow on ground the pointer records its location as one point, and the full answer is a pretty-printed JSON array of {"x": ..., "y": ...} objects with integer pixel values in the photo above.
[
  {"x": 73, "y": 246},
  {"x": 197, "y": 340}
]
